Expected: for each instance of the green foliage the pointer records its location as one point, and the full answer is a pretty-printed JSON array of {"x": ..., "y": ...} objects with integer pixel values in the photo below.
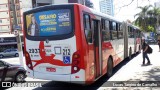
[
  {"x": 148, "y": 19},
  {"x": 150, "y": 28}
]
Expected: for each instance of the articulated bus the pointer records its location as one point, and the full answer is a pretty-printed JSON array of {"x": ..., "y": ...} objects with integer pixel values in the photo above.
[{"x": 73, "y": 43}]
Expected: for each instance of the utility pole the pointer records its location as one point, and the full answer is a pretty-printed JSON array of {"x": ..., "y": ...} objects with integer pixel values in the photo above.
[
  {"x": 19, "y": 45},
  {"x": 14, "y": 13}
]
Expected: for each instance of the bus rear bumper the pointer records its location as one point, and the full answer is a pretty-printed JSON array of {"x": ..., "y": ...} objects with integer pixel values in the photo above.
[
  {"x": 62, "y": 78},
  {"x": 77, "y": 78}
]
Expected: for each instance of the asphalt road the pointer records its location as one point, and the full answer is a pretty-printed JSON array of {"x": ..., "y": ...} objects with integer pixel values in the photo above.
[{"x": 126, "y": 71}]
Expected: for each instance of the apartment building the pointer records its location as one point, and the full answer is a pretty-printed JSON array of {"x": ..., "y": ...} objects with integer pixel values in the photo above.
[
  {"x": 106, "y": 6},
  {"x": 4, "y": 16},
  {"x": 11, "y": 14}
]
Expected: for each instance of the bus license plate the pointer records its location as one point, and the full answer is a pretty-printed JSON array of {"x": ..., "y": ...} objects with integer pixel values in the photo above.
[{"x": 49, "y": 69}]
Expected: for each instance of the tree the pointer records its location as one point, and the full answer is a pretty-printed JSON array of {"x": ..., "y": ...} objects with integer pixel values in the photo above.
[
  {"x": 142, "y": 17},
  {"x": 154, "y": 17},
  {"x": 148, "y": 19},
  {"x": 88, "y": 3}
]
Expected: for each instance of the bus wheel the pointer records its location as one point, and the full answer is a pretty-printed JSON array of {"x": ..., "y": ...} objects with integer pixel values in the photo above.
[
  {"x": 109, "y": 67},
  {"x": 1, "y": 56},
  {"x": 130, "y": 54}
]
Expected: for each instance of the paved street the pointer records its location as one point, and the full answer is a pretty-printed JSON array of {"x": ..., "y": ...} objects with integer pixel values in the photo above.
[
  {"x": 127, "y": 71},
  {"x": 134, "y": 71}
]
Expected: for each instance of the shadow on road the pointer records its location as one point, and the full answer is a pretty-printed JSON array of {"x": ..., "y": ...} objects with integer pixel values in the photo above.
[
  {"x": 153, "y": 74},
  {"x": 99, "y": 83}
]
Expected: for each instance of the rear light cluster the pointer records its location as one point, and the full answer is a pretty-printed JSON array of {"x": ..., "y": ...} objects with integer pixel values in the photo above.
[
  {"x": 28, "y": 61},
  {"x": 75, "y": 62}
]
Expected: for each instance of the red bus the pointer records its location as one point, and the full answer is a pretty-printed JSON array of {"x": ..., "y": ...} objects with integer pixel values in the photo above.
[{"x": 71, "y": 42}]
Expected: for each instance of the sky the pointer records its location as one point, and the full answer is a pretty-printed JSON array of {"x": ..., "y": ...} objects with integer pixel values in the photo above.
[{"x": 127, "y": 12}]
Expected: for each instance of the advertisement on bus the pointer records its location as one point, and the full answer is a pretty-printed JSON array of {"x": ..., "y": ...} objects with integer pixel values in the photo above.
[{"x": 48, "y": 23}]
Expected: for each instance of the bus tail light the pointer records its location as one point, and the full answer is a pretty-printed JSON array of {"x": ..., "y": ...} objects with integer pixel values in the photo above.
[
  {"x": 75, "y": 62},
  {"x": 28, "y": 61}
]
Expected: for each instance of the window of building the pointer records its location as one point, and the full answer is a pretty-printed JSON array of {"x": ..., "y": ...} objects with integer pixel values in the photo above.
[
  {"x": 11, "y": 14},
  {"x": 87, "y": 27},
  {"x": 16, "y": 1},
  {"x": 10, "y": 1},
  {"x": 17, "y": 7},
  {"x": 19, "y": 20},
  {"x": 0, "y": 21},
  {"x": 18, "y": 14}
]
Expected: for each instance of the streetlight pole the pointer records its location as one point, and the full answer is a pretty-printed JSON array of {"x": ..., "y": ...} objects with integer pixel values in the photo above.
[{"x": 19, "y": 45}]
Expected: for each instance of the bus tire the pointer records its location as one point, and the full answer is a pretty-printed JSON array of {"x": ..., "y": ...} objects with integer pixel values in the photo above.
[
  {"x": 1, "y": 56},
  {"x": 109, "y": 67},
  {"x": 130, "y": 53}
]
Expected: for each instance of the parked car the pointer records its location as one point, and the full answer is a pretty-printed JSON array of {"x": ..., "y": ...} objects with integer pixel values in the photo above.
[
  {"x": 150, "y": 41},
  {"x": 9, "y": 52},
  {"x": 10, "y": 72}
]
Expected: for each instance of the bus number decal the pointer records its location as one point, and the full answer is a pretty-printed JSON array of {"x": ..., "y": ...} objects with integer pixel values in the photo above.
[
  {"x": 34, "y": 50},
  {"x": 66, "y": 51}
]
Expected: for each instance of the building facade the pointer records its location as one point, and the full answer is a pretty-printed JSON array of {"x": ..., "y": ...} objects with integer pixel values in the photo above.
[
  {"x": 5, "y": 16},
  {"x": 106, "y": 6},
  {"x": 11, "y": 13}
]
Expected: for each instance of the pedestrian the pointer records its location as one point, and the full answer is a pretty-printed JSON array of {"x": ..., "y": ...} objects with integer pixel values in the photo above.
[
  {"x": 159, "y": 43},
  {"x": 145, "y": 48}
]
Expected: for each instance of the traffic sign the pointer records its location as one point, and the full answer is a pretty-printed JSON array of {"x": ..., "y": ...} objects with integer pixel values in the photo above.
[{"x": 151, "y": 34}]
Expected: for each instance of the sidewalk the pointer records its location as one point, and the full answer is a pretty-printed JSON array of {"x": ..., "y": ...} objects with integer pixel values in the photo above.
[{"x": 134, "y": 71}]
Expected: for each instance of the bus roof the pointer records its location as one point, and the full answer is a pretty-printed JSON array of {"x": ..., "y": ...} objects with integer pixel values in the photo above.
[{"x": 92, "y": 10}]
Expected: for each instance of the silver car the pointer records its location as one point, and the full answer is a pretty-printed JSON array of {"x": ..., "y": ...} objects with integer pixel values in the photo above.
[{"x": 9, "y": 52}]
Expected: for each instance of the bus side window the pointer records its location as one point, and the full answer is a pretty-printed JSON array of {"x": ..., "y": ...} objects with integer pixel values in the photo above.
[
  {"x": 114, "y": 31},
  {"x": 103, "y": 24},
  {"x": 107, "y": 33},
  {"x": 117, "y": 29},
  {"x": 136, "y": 33},
  {"x": 120, "y": 32},
  {"x": 129, "y": 31},
  {"x": 132, "y": 33},
  {"x": 105, "y": 30},
  {"x": 110, "y": 29},
  {"x": 87, "y": 28},
  {"x": 139, "y": 34}
]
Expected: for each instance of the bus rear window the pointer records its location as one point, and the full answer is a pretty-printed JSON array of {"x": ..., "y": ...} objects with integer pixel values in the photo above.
[{"x": 49, "y": 23}]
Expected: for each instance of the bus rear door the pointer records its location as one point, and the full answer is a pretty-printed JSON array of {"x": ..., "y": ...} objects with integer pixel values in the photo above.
[{"x": 97, "y": 47}]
